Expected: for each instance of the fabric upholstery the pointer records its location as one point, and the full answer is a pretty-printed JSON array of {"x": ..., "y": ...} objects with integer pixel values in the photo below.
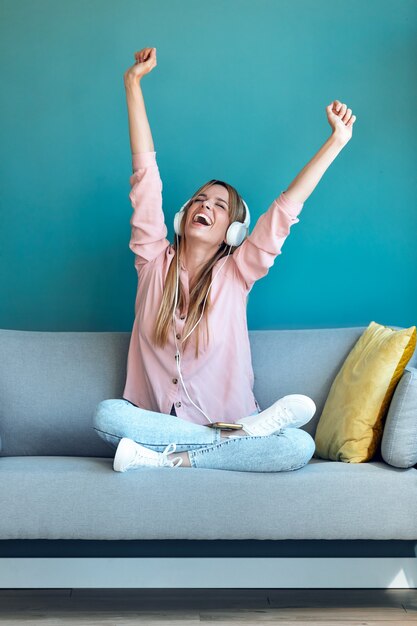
[
  {"x": 51, "y": 497},
  {"x": 399, "y": 441}
]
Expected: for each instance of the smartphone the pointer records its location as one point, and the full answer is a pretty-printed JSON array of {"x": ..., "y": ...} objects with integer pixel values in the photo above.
[{"x": 225, "y": 426}]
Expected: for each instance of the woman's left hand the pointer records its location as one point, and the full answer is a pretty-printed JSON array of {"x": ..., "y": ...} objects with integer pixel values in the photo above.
[{"x": 341, "y": 120}]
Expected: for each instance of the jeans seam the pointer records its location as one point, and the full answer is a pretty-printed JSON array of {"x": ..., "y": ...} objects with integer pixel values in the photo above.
[{"x": 106, "y": 433}]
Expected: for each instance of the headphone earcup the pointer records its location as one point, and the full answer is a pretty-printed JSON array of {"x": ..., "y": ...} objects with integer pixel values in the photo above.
[
  {"x": 236, "y": 234},
  {"x": 177, "y": 222}
]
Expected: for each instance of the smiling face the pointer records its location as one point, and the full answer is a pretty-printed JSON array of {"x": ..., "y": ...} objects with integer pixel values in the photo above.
[{"x": 214, "y": 203}]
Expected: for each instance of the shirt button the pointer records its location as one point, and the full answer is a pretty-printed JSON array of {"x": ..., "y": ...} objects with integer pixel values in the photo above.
[
  {"x": 175, "y": 380},
  {"x": 178, "y": 336},
  {"x": 178, "y": 404}
]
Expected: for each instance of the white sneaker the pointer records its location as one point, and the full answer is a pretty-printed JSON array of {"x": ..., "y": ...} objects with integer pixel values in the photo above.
[
  {"x": 293, "y": 410},
  {"x": 130, "y": 455}
]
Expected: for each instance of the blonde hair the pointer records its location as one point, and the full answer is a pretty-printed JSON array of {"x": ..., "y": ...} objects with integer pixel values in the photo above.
[{"x": 163, "y": 323}]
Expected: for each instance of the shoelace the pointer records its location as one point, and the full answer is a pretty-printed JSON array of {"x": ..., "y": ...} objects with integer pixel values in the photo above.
[
  {"x": 162, "y": 461},
  {"x": 171, "y": 447},
  {"x": 282, "y": 414}
]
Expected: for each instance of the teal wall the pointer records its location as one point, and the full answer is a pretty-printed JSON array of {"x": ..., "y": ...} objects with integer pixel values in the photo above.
[{"x": 239, "y": 93}]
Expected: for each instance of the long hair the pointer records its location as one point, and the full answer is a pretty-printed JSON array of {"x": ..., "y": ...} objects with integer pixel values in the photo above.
[{"x": 163, "y": 323}]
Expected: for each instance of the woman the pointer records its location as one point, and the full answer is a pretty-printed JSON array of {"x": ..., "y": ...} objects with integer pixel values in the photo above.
[{"x": 157, "y": 423}]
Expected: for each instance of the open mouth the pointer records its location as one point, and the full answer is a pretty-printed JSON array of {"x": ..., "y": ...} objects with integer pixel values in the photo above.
[{"x": 201, "y": 220}]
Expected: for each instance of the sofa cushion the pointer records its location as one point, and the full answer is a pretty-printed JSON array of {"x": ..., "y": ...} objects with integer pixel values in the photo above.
[
  {"x": 399, "y": 441},
  {"x": 49, "y": 497},
  {"x": 351, "y": 424}
]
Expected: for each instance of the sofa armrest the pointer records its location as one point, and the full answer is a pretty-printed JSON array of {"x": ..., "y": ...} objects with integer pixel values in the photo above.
[
  {"x": 412, "y": 369},
  {"x": 398, "y": 445}
]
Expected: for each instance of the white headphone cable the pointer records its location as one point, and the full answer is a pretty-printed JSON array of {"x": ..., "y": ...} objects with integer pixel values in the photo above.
[{"x": 177, "y": 355}]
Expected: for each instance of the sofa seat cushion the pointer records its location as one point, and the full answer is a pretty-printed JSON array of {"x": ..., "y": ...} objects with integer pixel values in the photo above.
[{"x": 68, "y": 497}]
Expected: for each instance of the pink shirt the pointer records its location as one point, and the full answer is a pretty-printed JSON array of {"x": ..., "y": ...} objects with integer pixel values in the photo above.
[{"x": 221, "y": 380}]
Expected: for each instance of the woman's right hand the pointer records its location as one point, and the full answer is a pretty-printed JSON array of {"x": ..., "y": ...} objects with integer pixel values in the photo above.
[{"x": 145, "y": 61}]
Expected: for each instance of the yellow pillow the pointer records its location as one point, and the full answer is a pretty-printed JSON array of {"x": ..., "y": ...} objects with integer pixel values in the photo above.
[{"x": 351, "y": 424}]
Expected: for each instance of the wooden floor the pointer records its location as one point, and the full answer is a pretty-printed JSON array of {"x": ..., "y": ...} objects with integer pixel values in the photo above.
[{"x": 298, "y": 607}]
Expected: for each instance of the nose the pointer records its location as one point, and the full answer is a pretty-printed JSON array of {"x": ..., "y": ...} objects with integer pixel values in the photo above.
[{"x": 205, "y": 205}]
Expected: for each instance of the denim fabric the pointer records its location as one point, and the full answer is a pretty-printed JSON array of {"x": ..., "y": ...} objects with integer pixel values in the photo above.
[{"x": 286, "y": 449}]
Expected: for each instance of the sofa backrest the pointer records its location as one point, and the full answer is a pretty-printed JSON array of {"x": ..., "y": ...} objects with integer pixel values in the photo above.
[{"x": 51, "y": 382}]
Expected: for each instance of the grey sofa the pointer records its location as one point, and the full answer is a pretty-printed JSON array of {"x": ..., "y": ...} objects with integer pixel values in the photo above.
[{"x": 60, "y": 497}]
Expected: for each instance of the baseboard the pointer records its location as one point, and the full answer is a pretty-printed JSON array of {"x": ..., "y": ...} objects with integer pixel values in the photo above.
[{"x": 194, "y": 573}]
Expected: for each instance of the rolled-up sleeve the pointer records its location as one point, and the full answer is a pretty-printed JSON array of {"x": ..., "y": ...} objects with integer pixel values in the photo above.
[
  {"x": 257, "y": 253},
  {"x": 148, "y": 229}
]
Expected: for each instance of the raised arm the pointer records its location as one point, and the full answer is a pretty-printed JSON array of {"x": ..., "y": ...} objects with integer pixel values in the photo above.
[
  {"x": 149, "y": 232},
  {"x": 139, "y": 129},
  {"x": 257, "y": 253},
  {"x": 341, "y": 121}
]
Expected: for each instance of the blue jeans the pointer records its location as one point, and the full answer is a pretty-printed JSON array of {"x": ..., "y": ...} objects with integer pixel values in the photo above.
[{"x": 286, "y": 449}]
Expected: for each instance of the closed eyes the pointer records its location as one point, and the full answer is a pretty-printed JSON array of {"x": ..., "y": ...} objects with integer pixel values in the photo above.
[{"x": 217, "y": 203}]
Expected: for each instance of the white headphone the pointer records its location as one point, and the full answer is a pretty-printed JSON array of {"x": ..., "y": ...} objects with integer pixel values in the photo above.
[{"x": 235, "y": 235}]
